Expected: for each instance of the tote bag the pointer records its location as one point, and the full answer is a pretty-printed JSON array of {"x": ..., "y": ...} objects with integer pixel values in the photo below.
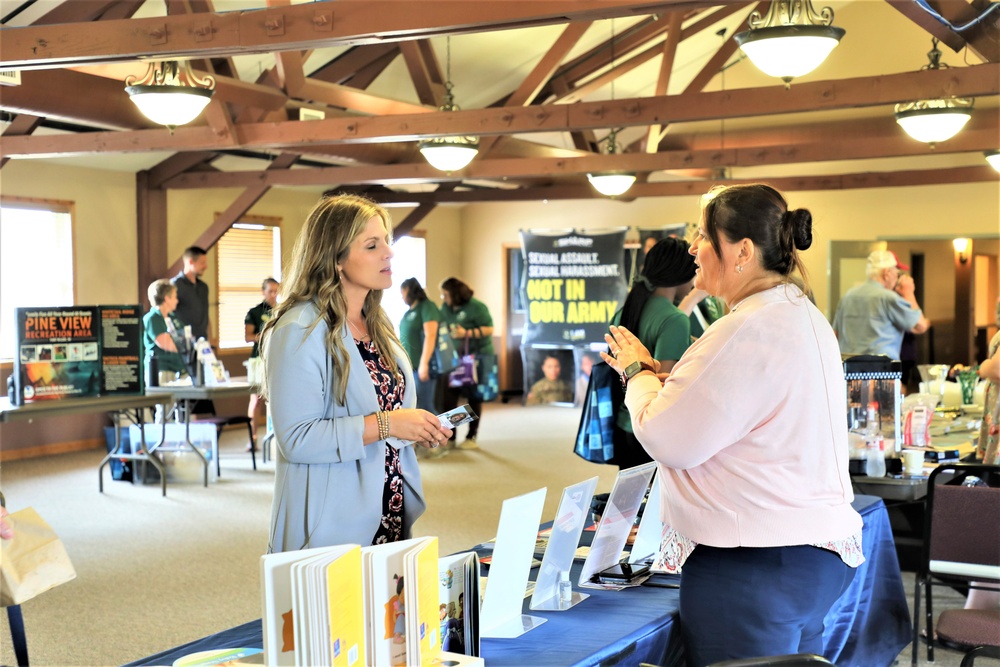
[
  {"x": 605, "y": 395},
  {"x": 33, "y": 561},
  {"x": 466, "y": 374},
  {"x": 445, "y": 354}
]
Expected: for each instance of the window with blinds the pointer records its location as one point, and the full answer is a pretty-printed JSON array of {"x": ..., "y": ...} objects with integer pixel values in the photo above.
[{"x": 247, "y": 254}]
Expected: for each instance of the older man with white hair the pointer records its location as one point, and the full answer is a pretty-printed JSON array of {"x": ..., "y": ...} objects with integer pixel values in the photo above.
[{"x": 872, "y": 317}]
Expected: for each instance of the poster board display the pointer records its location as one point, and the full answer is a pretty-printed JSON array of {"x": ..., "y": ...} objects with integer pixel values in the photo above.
[
  {"x": 58, "y": 352},
  {"x": 76, "y": 352},
  {"x": 573, "y": 282},
  {"x": 121, "y": 350}
]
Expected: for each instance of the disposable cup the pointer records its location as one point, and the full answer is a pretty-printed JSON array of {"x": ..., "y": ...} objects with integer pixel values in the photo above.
[{"x": 913, "y": 461}]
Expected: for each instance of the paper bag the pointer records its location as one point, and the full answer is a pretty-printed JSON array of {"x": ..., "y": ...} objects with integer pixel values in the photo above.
[{"x": 33, "y": 561}]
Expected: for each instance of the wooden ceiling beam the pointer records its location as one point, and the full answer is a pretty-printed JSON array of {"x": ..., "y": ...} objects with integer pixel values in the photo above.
[
  {"x": 367, "y": 74},
  {"x": 235, "y": 211},
  {"x": 176, "y": 164},
  {"x": 913, "y": 178},
  {"x": 540, "y": 74},
  {"x": 543, "y": 70},
  {"x": 122, "y": 10},
  {"x": 581, "y": 91},
  {"x": 21, "y": 125},
  {"x": 75, "y": 12},
  {"x": 74, "y": 96},
  {"x": 913, "y": 11},
  {"x": 344, "y": 66},
  {"x": 295, "y": 28},
  {"x": 981, "y": 38},
  {"x": 417, "y": 215},
  {"x": 586, "y": 65},
  {"x": 500, "y": 169},
  {"x": 975, "y": 81},
  {"x": 430, "y": 91},
  {"x": 653, "y": 134}
]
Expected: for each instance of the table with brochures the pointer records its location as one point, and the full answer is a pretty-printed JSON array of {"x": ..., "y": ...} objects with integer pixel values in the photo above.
[{"x": 869, "y": 625}]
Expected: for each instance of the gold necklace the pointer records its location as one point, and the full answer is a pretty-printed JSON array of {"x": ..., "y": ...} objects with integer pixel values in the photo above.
[{"x": 354, "y": 330}]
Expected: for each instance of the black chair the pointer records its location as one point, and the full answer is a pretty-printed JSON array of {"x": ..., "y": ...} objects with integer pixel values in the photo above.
[
  {"x": 961, "y": 548},
  {"x": 203, "y": 412},
  {"x": 797, "y": 660}
]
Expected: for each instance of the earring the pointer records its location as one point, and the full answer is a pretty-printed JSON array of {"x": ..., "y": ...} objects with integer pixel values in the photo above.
[{"x": 739, "y": 268}]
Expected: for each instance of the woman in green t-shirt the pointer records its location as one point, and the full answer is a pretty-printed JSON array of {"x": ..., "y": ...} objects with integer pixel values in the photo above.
[
  {"x": 159, "y": 324},
  {"x": 467, "y": 319},
  {"x": 418, "y": 332},
  {"x": 649, "y": 310}
]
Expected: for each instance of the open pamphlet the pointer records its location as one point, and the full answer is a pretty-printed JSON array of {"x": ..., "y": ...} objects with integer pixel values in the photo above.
[
  {"x": 458, "y": 609},
  {"x": 353, "y": 606},
  {"x": 616, "y": 522},
  {"x": 313, "y": 610}
]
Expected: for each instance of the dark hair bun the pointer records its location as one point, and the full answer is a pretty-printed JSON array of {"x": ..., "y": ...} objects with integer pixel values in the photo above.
[{"x": 800, "y": 220}]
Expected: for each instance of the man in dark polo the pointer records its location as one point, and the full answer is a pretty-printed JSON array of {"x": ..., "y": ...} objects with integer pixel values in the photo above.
[{"x": 192, "y": 292}]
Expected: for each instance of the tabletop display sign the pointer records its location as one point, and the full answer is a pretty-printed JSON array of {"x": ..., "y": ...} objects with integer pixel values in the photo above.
[
  {"x": 573, "y": 282},
  {"x": 58, "y": 352},
  {"x": 121, "y": 350}
]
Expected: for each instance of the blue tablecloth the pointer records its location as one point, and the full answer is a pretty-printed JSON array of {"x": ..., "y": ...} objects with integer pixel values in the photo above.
[{"x": 868, "y": 626}]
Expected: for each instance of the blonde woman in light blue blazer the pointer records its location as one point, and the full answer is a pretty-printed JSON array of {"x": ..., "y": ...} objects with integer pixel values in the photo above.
[{"x": 341, "y": 389}]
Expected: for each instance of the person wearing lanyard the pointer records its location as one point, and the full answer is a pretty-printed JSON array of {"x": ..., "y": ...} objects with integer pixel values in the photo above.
[{"x": 748, "y": 431}]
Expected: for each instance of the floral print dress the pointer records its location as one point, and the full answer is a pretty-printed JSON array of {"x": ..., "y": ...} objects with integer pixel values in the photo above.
[{"x": 389, "y": 390}]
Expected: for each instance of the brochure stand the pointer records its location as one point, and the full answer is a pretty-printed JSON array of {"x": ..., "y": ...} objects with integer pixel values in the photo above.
[
  {"x": 574, "y": 509},
  {"x": 617, "y": 521},
  {"x": 647, "y": 539},
  {"x": 501, "y": 613}
]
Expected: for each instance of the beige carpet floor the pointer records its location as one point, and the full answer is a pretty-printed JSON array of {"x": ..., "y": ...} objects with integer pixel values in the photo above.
[{"x": 156, "y": 572}]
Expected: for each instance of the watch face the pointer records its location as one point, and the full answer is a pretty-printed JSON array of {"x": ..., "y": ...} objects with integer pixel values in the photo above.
[{"x": 632, "y": 369}]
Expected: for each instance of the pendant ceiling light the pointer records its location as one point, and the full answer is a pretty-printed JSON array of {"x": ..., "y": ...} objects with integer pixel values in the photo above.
[
  {"x": 936, "y": 120},
  {"x": 170, "y": 93},
  {"x": 612, "y": 183},
  {"x": 993, "y": 157},
  {"x": 449, "y": 153},
  {"x": 791, "y": 40}
]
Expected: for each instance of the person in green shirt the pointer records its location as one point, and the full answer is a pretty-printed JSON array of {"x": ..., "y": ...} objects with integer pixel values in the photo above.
[
  {"x": 157, "y": 326},
  {"x": 418, "y": 332},
  {"x": 649, "y": 312},
  {"x": 253, "y": 324},
  {"x": 468, "y": 320}
]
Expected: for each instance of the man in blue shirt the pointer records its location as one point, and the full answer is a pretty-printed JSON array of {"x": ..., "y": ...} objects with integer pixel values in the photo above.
[{"x": 872, "y": 317}]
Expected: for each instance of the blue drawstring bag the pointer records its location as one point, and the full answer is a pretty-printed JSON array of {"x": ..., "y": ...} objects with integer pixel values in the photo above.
[{"x": 605, "y": 395}]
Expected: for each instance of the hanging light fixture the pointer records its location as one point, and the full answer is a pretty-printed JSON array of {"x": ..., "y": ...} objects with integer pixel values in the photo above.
[
  {"x": 170, "y": 93},
  {"x": 937, "y": 120},
  {"x": 612, "y": 183},
  {"x": 993, "y": 157},
  {"x": 449, "y": 153},
  {"x": 791, "y": 40}
]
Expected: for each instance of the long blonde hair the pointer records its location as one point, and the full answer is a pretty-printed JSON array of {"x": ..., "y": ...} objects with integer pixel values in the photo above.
[{"x": 325, "y": 240}]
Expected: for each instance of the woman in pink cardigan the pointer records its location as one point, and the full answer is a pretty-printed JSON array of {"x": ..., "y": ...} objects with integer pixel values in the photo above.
[{"x": 749, "y": 434}]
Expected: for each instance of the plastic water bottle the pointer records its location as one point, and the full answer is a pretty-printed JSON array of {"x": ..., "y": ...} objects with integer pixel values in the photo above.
[
  {"x": 874, "y": 444},
  {"x": 565, "y": 591}
]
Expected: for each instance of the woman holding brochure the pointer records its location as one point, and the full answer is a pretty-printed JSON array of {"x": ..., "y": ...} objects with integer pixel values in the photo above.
[
  {"x": 341, "y": 389},
  {"x": 748, "y": 430}
]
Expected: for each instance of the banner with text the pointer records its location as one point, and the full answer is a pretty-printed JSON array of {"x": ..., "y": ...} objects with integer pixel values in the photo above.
[
  {"x": 77, "y": 351},
  {"x": 573, "y": 282}
]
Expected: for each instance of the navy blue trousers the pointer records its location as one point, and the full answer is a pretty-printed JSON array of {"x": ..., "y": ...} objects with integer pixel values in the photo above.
[
  {"x": 426, "y": 392},
  {"x": 753, "y": 602}
]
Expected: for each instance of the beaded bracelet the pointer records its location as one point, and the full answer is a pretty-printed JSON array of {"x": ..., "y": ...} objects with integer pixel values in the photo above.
[{"x": 383, "y": 424}]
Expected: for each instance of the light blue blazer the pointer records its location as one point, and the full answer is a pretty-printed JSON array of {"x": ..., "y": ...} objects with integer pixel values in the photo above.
[{"x": 328, "y": 486}]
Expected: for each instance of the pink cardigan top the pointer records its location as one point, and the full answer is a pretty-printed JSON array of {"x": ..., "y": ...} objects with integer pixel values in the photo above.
[{"x": 750, "y": 429}]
